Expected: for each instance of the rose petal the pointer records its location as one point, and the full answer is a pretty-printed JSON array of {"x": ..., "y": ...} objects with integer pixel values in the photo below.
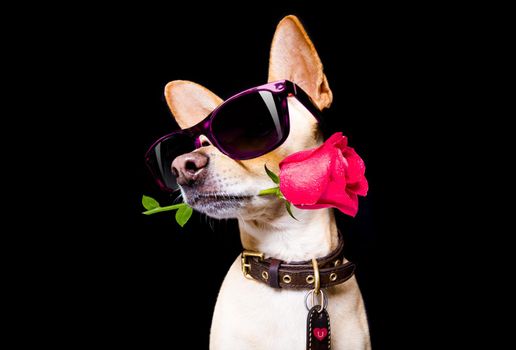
[
  {"x": 359, "y": 188},
  {"x": 303, "y": 155},
  {"x": 297, "y": 157},
  {"x": 356, "y": 166},
  {"x": 336, "y": 193},
  {"x": 348, "y": 205},
  {"x": 303, "y": 182},
  {"x": 342, "y": 143},
  {"x": 305, "y": 174},
  {"x": 335, "y": 139},
  {"x": 331, "y": 175}
]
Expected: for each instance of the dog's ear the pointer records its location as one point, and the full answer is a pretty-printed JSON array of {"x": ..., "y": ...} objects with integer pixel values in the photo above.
[
  {"x": 293, "y": 57},
  {"x": 190, "y": 102}
]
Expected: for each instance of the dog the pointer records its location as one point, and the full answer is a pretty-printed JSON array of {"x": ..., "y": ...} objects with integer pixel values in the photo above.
[{"x": 249, "y": 314}]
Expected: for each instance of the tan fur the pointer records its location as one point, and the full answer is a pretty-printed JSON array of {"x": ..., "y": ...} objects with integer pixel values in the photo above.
[
  {"x": 293, "y": 57},
  {"x": 250, "y": 315},
  {"x": 189, "y": 102}
]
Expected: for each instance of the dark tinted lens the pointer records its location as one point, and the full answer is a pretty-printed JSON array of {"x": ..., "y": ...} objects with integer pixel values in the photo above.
[
  {"x": 160, "y": 158},
  {"x": 250, "y": 125}
]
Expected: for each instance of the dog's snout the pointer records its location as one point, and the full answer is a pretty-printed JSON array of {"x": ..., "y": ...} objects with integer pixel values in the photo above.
[{"x": 188, "y": 167}]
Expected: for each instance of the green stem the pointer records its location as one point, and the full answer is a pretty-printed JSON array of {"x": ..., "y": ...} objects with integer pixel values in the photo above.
[
  {"x": 268, "y": 191},
  {"x": 162, "y": 209}
]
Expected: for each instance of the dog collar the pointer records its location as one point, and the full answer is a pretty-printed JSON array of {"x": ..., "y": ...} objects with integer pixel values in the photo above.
[{"x": 324, "y": 272}]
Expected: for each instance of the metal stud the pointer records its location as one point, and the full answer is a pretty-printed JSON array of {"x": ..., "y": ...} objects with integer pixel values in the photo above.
[{"x": 265, "y": 275}]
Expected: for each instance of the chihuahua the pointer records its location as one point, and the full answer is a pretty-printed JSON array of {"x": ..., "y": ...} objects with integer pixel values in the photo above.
[{"x": 223, "y": 182}]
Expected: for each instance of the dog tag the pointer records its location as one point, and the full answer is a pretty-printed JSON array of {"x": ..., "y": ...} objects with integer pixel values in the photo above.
[{"x": 318, "y": 333}]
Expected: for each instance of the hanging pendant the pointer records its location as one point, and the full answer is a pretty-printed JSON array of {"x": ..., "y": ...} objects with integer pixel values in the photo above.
[{"x": 318, "y": 331}]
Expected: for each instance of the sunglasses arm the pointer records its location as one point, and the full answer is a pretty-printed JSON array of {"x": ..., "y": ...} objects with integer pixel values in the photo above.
[{"x": 303, "y": 97}]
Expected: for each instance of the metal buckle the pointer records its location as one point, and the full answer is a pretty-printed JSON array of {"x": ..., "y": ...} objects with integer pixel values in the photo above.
[{"x": 246, "y": 266}]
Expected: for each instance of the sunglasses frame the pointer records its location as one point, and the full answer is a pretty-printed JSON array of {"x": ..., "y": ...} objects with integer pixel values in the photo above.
[{"x": 281, "y": 88}]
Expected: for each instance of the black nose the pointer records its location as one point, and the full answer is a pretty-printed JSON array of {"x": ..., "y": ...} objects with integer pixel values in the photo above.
[{"x": 189, "y": 167}]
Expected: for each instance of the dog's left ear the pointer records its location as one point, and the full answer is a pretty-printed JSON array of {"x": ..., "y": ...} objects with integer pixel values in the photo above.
[
  {"x": 190, "y": 102},
  {"x": 293, "y": 57}
]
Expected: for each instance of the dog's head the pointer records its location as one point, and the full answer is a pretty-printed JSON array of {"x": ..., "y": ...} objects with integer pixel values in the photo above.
[{"x": 221, "y": 187}]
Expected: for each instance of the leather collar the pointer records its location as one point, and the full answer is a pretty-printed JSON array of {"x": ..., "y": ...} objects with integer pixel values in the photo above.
[{"x": 298, "y": 275}]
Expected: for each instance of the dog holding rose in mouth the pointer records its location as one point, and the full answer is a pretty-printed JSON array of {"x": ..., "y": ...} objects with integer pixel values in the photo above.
[{"x": 217, "y": 162}]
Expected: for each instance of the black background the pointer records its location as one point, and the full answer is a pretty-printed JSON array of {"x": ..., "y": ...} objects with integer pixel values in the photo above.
[
  {"x": 392, "y": 76},
  {"x": 372, "y": 72}
]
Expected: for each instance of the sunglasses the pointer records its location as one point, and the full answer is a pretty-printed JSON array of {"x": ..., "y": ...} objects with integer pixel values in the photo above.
[{"x": 247, "y": 125}]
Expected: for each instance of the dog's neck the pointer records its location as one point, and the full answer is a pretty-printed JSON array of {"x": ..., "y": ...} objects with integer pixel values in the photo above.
[{"x": 282, "y": 237}]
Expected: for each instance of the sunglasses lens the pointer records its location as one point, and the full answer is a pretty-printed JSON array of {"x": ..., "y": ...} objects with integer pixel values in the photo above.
[
  {"x": 251, "y": 125},
  {"x": 160, "y": 158}
]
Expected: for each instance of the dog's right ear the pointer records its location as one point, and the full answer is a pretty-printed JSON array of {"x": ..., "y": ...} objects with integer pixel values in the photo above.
[{"x": 190, "y": 102}]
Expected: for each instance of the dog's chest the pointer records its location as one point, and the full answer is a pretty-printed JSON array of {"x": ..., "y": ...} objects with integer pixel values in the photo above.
[
  {"x": 252, "y": 315},
  {"x": 249, "y": 312}
]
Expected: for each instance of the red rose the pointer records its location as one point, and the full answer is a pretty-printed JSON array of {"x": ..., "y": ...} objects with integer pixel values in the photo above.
[{"x": 331, "y": 175}]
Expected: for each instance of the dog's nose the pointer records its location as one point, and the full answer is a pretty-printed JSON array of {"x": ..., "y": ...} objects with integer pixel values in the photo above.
[{"x": 188, "y": 167}]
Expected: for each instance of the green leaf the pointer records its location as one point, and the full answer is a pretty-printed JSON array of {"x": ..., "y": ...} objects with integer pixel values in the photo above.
[
  {"x": 273, "y": 176},
  {"x": 183, "y": 214},
  {"x": 289, "y": 209},
  {"x": 149, "y": 203}
]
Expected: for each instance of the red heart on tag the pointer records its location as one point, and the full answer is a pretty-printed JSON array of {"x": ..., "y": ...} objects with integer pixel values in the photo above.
[{"x": 320, "y": 333}]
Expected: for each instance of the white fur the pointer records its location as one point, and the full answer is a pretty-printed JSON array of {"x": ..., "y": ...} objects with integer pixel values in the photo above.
[{"x": 250, "y": 315}]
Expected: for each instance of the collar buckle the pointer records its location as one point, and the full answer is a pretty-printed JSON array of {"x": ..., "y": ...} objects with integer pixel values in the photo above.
[{"x": 246, "y": 266}]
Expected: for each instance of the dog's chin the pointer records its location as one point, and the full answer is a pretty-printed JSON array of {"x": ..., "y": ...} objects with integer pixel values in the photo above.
[{"x": 218, "y": 205}]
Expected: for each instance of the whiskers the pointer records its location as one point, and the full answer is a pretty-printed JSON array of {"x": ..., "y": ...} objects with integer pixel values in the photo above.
[
  {"x": 215, "y": 225},
  {"x": 179, "y": 198},
  {"x": 214, "y": 209}
]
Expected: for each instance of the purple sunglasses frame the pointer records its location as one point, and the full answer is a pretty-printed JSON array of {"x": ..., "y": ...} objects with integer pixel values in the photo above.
[{"x": 281, "y": 88}]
